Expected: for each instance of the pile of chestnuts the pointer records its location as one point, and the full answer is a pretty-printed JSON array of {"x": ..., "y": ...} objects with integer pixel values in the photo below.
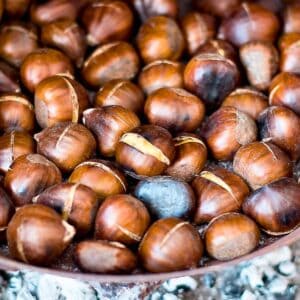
[{"x": 142, "y": 136}]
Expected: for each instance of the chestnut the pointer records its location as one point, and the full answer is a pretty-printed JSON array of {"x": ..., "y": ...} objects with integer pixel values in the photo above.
[
  {"x": 147, "y": 150},
  {"x": 174, "y": 109},
  {"x": 190, "y": 158},
  {"x": 247, "y": 100},
  {"x": 59, "y": 98},
  {"x": 197, "y": 28},
  {"x": 275, "y": 207},
  {"x": 291, "y": 21},
  {"x": 211, "y": 77},
  {"x": 9, "y": 79},
  {"x": 218, "y": 191},
  {"x": 260, "y": 163},
  {"x": 166, "y": 197},
  {"x": 13, "y": 145},
  {"x": 37, "y": 235},
  {"x": 276, "y": 6},
  {"x": 108, "y": 124},
  {"x": 6, "y": 212},
  {"x": 250, "y": 22},
  {"x": 170, "y": 245},
  {"x": 104, "y": 257},
  {"x": 103, "y": 177},
  {"x": 16, "y": 113},
  {"x": 16, "y": 8},
  {"x": 107, "y": 21},
  {"x": 159, "y": 74},
  {"x": 76, "y": 203},
  {"x": 28, "y": 176},
  {"x": 231, "y": 235},
  {"x": 117, "y": 60},
  {"x": 17, "y": 40},
  {"x": 160, "y": 38},
  {"x": 288, "y": 39},
  {"x": 67, "y": 36},
  {"x": 281, "y": 126},
  {"x": 41, "y": 64},
  {"x": 226, "y": 130},
  {"x": 121, "y": 218},
  {"x": 66, "y": 144},
  {"x": 120, "y": 92},
  {"x": 261, "y": 61}
]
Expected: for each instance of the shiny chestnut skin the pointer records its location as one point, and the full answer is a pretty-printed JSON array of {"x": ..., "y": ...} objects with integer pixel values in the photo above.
[
  {"x": 121, "y": 218},
  {"x": 9, "y": 79},
  {"x": 120, "y": 92},
  {"x": 218, "y": 191},
  {"x": 260, "y": 163},
  {"x": 66, "y": 144},
  {"x": 43, "y": 63},
  {"x": 197, "y": 28},
  {"x": 147, "y": 150},
  {"x": 287, "y": 39},
  {"x": 107, "y": 21},
  {"x": 16, "y": 8},
  {"x": 251, "y": 22},
  {"x": 108, "y": 124},
  {"x": 291, "y": 18},
  {"x": 7, "y": 210},
  {"x": 59, "y": 98},
  {"x": 16, "y": 113},
  {"x": 117, "y": 60},
  {"x": 226, "y": 130},
  {"x": 275, "y": 207},
  {"x": 103, "y": 177},
  {"x": 247, "y": 100},
  {"x": 159, "y": 74},
  {"x": 13, "y": 145},
  {"x": 51, "y": 235},
  {"x": 17, "y": 40},
  {"x": 211, "y": 77},
  {"x": 174, "y": 109},
  {"x": 104, "y": 257},
  {"x": 281, "y": 126},
  {"x": 67, "y": 36},
  {"x": 76, "y": 203},
  {"x": 231, "y": 235},
  {"x": 261, "y": 61},
  {"x": 190, "y": 157},
  {"x": 160, "y": 38},
  {"x": 28, "y": 176},
  {"x": 161, "y": 244}
]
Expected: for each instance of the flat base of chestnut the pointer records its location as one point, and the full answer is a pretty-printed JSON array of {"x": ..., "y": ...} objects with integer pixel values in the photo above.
[{"x": 65, "y": 266}]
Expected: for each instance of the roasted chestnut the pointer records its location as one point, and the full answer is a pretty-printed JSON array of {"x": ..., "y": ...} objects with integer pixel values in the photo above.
[
  {"x": 190, "y": 158},
  {"x": 76, "y": 203},
  {"x": 260, "y": 163},
  {"x": 160, "y": 38},
  {"x": 59, "y": 98},
  {"x": 16, "y": 113},
  {"x": 6, "y": 212},
  {"x": 41, "y": 64},
  {"x": 108, "y": 124},
  {"x": 218, "y": 191},
  {"x": 250, "y": 22},
  {"x": 162, "y": 243},
  {"x": 66, "y": 144},
  {"x": 9, "y": 79},
  {"x": 291, "y": 18},
  {"x": 67, "y": 36},
  {"x": 37, "y": 235},
  {"x": 13, "y": 145},
  {"x": 159, "y": 74},
  {"x": 16, "y": 8},
  {"x": 247, "y": 100},
  {"x": 121, "y": 218},
  {"x": 226, "y": 130},
  {"x": 103, "y": 177},
  {"x": 174, "y": 109},
  {"x": 147, "y": 150},
  {"x": 28, "y": 176},
  {"x": 104, "y": 257},
  {"x": 107, "y": 21},
  {"x": 166, "y": 197},
  {"x": 231, "y": 235},
  {"x": 121, "y": 92},
  {"x": 117, "y": 60}
]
